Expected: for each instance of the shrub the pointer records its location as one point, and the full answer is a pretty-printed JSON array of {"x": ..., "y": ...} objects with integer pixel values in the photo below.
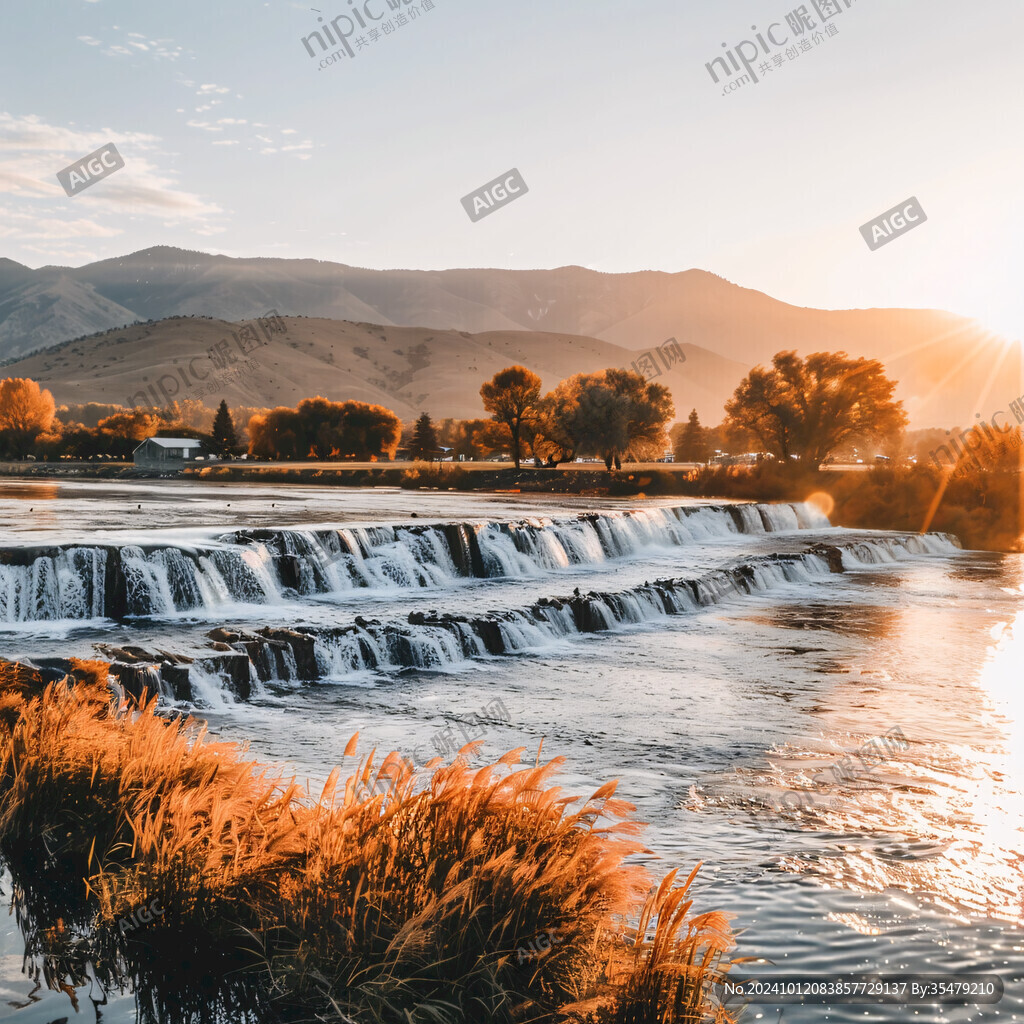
[
  {"x": 385, "y": 898},
  {"x": 441, "y": 476}
]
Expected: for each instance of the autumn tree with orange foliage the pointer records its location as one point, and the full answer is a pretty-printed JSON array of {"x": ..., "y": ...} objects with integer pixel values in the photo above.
[
  {"x": 612, "y": 413},
  {"x": 511, "y": 397},
  {"x": 810, "y": 407},
  {"x": 26, "y": 411},
  {"x": 320, "y": 429},
  {"x": 134, "y": 425}
]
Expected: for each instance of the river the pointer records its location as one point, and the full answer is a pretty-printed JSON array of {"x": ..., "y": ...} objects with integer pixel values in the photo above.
[{"x": 843, "y": 750}]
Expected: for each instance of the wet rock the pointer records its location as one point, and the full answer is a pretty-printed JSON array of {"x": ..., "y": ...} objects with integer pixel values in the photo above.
[
  {"x": 177, "y": 678},
  {"x": 289, "y": 570},
  {"x": 302, "y": 646},
  {"x": 224, "y": 636},
  {"x": 130, "y": 654},
  {"x": 233, "y": 667},
  {"x": 831, "y": 554},
  {"x": 139, "y": 680}
]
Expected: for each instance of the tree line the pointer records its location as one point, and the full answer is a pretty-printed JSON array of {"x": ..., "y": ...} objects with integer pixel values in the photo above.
[{"x": 809, "y": 408}]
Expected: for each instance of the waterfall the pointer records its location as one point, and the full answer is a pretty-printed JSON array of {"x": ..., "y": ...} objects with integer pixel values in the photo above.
[
  {"x": 430, "y": 642},
  {"x": 262, "y": 567},
  {"x": 68, "y": 584},
  {"x": 244, "y": 661}
]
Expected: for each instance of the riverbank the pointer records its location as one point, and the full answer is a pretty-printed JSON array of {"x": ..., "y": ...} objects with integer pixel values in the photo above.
[{"x": 982, "y": 508}]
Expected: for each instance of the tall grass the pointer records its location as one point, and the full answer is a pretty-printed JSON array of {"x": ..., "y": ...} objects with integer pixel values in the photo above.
[{"x": 385, "y": 898}]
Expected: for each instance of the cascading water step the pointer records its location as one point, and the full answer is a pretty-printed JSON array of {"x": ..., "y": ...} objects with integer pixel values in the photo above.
[
  {"x": 234, "y": 660},
  {"x": 261, "y": 567}
]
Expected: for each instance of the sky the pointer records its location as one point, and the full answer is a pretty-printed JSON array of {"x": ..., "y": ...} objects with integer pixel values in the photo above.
[{"x": 237, "y": 141}]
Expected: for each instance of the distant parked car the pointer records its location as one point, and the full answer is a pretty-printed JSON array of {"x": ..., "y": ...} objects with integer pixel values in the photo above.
[{"x": 883, "y": 460}]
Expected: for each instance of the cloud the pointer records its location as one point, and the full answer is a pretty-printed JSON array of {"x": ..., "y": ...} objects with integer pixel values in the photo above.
[
  {"x": 27, "y": 227},
  {"x": 132, "y": 44},
  {"x": 31, "y": 153}
]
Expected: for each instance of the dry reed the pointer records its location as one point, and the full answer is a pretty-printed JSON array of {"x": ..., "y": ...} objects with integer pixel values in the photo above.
[{"x": 384, "y": 899}]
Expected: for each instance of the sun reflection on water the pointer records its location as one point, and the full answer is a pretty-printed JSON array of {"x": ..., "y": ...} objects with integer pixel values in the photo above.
[{"x": 943, "y": 820}]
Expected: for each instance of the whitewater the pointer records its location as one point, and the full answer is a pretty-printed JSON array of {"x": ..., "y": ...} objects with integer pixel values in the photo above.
[{"x": 717, "y": 658}]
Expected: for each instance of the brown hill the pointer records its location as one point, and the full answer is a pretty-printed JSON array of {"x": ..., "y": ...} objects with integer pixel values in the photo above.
[{"x": 408, "y": 369}]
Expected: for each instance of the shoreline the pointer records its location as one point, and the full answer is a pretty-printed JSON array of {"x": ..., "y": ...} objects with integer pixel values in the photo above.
[{"x": 982, "y": 509}]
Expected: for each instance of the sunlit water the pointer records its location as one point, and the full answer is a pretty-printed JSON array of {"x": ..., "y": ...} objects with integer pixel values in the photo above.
[{"x": 734, "y": 729}]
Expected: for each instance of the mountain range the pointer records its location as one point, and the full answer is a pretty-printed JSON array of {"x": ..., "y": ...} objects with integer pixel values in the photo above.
[{"x": 425, "y": 340}]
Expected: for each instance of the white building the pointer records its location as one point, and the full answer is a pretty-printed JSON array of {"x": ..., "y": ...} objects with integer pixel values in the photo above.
[{"x": 167, "y": 454}]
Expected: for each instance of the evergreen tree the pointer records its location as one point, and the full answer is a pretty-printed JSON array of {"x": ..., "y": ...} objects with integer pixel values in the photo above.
[
  {"x": 424, "y": 439},
  {"x": 692, "y": 445},
  {"x": 224, "y": 435}
]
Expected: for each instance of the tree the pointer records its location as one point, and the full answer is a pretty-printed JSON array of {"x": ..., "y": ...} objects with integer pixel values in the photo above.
[
  {"x": 26, "y": 411},
  {"x": 692, "y": 443},
  {"x": 612, "y": 413},
  {"x": 424, "y": 439},
  {"x": 135, "y": 425},
  {"x": 511, "y": 397},
  {"x": 224, "y": 436},
  {"x": 647, "y": 409},
  {"x": 560, "y": 427},
  {"x": 458, "y": 435},
  {"x": 321, "y": 429},
  {"x": 490, "y": 438},
  {"x": 809, "y": 407}
]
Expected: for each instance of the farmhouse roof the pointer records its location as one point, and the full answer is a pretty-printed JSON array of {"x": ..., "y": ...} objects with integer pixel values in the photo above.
[{"x": 173, "y": 442}]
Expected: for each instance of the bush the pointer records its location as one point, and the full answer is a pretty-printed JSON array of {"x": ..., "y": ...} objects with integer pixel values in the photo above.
[
  {"x": 386, "y": 898},
  {"x": 440, "y": 476}
]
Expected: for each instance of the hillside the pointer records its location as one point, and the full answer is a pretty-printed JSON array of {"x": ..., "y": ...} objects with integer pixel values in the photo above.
[
  {"x": 948, "y": 367},
  {"x": 408, "y": 369}
]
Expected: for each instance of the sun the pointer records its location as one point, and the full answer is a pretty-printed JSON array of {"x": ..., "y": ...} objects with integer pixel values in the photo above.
[{"x": 1004, "y": 317}]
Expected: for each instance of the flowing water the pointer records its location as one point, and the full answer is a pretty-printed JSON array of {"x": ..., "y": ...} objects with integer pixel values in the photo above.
[{"x": 829, "y": 720}]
